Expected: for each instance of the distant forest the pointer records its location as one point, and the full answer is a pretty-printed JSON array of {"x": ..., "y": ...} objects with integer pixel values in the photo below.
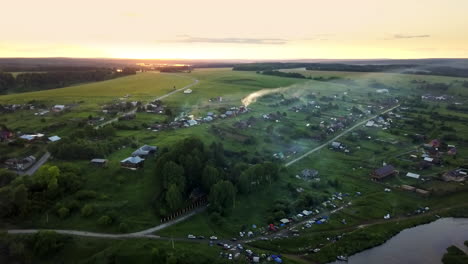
[
  {"x": 396, "y": 68},
  {"x": 35, "y": 78}
]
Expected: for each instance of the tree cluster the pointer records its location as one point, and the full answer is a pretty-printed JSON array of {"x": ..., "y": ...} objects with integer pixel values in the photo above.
[{"x": 191, "y": 166}]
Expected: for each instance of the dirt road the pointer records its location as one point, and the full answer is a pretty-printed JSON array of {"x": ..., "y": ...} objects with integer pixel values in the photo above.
[{"x": 195, "y": 81}]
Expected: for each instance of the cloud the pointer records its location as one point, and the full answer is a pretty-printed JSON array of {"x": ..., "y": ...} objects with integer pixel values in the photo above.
[
  {"x": 261, "y": 41},
  {"x": 403, "y": 36}
]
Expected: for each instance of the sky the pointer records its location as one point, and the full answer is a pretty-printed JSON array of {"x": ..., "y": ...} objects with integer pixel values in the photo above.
[{"x": 239, "y": 29}]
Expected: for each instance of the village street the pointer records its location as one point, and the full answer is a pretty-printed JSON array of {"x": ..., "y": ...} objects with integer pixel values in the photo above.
[{"x": 338, "y": 136}]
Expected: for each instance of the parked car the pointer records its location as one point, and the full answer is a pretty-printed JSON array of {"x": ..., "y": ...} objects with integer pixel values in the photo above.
[{"x": 191, "y": 236}]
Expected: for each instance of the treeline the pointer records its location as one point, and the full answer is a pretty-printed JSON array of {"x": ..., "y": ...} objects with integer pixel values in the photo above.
[
  {"x": 397, "y": 68},
  {"x": 267, "y": 66},
  {"x": 441, "y": 71},
  {"x": 284, "y": 74},
  {"x": 320, "y": 67},
  {"x": 191, "y": 167},
  {"x": 174, "y": 69},
  {"x": 31, "y": 81}
]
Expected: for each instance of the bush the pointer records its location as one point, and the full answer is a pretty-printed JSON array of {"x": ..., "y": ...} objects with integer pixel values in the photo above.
[
  {"x": 86, "y": 195},
  {"x": 123, "y": 227},
  {"x": 105, "y": 220},
  {"x": 47, "y": 243},
  {"x": 87, "y": 210},
  {"x": 63, "y": 212}
]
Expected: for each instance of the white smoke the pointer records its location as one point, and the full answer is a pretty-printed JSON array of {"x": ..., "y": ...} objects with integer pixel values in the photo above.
[{"x": 252, "y": 98}]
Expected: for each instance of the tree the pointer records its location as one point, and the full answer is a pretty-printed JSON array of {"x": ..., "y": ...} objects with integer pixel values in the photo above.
[
  {"x": 173, "y": 197},
  {"x": 63, "y": 212},
  {"x": 222, "y": 196},
  {"x": 172, "y": 173},
  {"x": 20, "y": 199},
  {"x": 47, "y": 242},
  {"x": 210, "y": 176},
  {"x": 87, "y": 210},
  {"x": 105, "y": 220},
  {"x": 6, "y": 177}
]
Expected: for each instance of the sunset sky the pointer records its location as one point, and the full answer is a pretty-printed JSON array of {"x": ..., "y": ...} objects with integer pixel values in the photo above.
[{"x": 240, "y": 29}]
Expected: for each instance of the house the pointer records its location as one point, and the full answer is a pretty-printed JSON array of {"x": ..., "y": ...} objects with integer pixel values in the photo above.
[
  {"x": 58, "y": 108},
  {"x": 5, "y": 134},
  {"x": 457, "y": 175},
  {"x": 384, "y": 172},
  {"x": 208, "y": 119},
  {"x": 144, "y": 151},
  {"x": 408, "y": 188},
  {"x": 427, "y": 159},
  {"x": 309, "y": 173},
  {"x": 284, "y": 221},
  {"x": 187, "y": 91},
  {"x": 435, "y": 143},
  {"x": 128, "y": 116},
  {"x": 335, "y": 145},
  {"x": 132, "y": 163},
  {"x": 54, "y": 138},
  {"x": 370, "y": 123},
  {"x": 192, "y": 122},
  {"x": 99, "y": 162},
  {"x": 413, "y": 175},
  {"x": 229, "y": 113},
  {"x": 31, "y": 137}
]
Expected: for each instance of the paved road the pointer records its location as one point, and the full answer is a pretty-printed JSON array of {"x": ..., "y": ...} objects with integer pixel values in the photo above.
[
  {"x": 337, "y": 137},
  {"x": 195, "y": 81},
  {"x": 36, "y": 165}
]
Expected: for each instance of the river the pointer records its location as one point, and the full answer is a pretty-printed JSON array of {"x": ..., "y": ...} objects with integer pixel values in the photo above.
[{"x": 421, "y": 244}]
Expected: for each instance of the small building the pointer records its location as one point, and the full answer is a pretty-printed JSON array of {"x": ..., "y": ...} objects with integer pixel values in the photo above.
[
  {"x": 54, "y": 138},
  {"x": 412, "y": 175},
  {"x": 144, "y": 151},
  {"x": 132, "y": 163},
  {"x": 336, "y": 145},
  {"x": 309, "y": 173},
  {"x": 58, "y": 108},
  {"x": 284, "y": 221},
  {"x": 31, "y": 137},
  {"x": 187, "y": 91},
  {"x": 384, "y": 172},
  {"x": 370, "y": 123},
  {"x": 99, "y": 162},
  {"x": 5, "y": 134},
  {"x": 408, "y": 188},
  {"x": 208, "y": 119},
  {"x": 192, "y": 122}
]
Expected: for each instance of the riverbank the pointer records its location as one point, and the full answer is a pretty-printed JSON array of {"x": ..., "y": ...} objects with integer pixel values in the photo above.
[{"x": 406, "y": 247}]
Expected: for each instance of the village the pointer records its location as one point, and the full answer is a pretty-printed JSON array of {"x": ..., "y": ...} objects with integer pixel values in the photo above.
[{"x": 338, "y": 148}]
